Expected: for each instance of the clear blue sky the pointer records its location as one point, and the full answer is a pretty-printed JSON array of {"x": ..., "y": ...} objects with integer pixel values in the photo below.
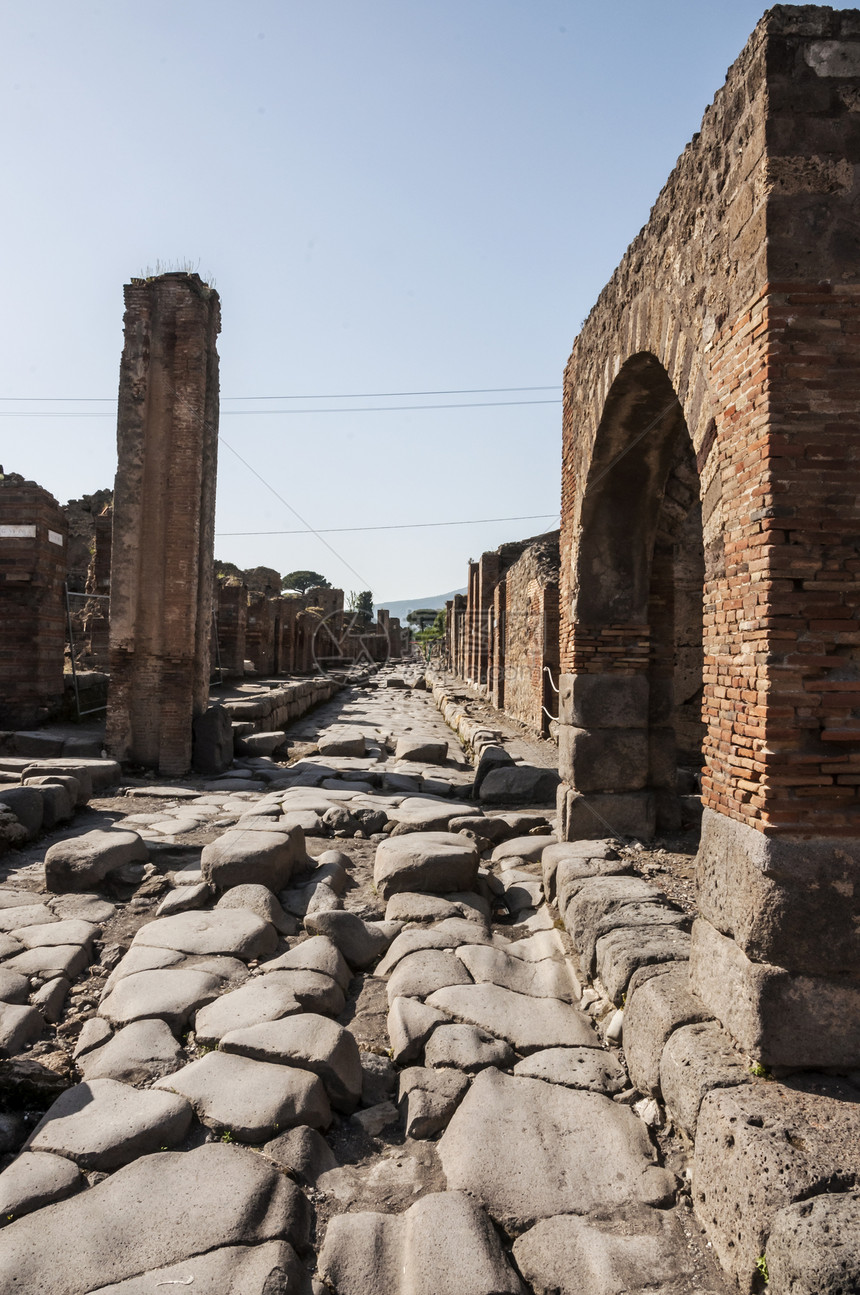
[{"x": 390, "y": 196}]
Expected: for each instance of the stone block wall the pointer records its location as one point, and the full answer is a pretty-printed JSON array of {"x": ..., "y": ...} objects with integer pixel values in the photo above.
[
  {"x": 33, "y": 540},
  {"x": 260, "y": 634},
  {"x": 232, "y": 624}
]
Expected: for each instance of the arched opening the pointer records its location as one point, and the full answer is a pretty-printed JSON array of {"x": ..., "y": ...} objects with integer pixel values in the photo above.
[{"x": 637, "y": 581}]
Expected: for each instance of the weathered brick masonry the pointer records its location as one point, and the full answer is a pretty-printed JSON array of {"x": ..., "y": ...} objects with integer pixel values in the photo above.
[
  {"x": 33, "y": 539},
  {"x": 720, "y": 370},
  {"x": 164, "y": 516}
]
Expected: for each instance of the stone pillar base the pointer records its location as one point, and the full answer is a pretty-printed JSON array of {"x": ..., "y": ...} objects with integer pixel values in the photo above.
[
  {"x": 779, "y": 1017},
  {"x": 596, "y": 816}
]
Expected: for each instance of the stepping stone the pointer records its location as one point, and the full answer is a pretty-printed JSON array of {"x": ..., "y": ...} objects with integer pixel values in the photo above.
[
  {"x": 251, "y": 1270},
  {"x": 253, "y": 858},
  {"x": 251, "y": 1100},
  {"x": 174, "y": 994},
  {"x": 67, "y": 960},
  {"x": 162, "y": 1209},
  {"x": 70, "y": 931},
  {"x": 142, "y": 1051},
  {"x": 519, "y": 784},
  {"x": 528, "y": 1024},
  {"x": 466, "y": 1048},
  {"x": 259, "y": 900},
  {"x": 421, "y": 750},
  {"x": 319, "y": 953},
  {"x": 428, "y": 1098},
  {"x": 410, "y": 1024},
  {"x": 544, "y": 979},
  {"x": 592, "y": 1068},
  {"x": 360, "y": 942},
  {"x": 232, "y": 931},
  {"x": 20, "y": 916},
  {"x": 444, "y": 1244},
  {"x": 102, "y": 1124},
  {"x": 529, "y": 1150},
  {"x": 637, "y": 1249},
  {"x": 81, "y": 862},
  {"x": 310, "y": 1042},
  {"x": 34, "y": 1179},
  {"x": 425, "y": 861},
  {"x": 419, "y": 974},
  {"x": 263, "y": 998},
  {"x": 342, "y": 742},
  {"x": 450, "y": 934},
  {"x": 422, "y": 814}
]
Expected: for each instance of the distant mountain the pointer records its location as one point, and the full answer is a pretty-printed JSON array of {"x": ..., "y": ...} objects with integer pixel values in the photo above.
[{"x": 406, "y": 605}]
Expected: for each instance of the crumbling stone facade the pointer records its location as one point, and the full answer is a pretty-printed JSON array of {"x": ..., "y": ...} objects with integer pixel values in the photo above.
[
  {"x": 164, "y": 513},
  {"x": 718, "y": 372},
  {"x": 33, "y": 542}
]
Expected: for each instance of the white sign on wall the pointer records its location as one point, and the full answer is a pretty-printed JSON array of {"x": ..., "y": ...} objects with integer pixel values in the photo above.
[
  {"x": 18, "y": 533},
  {"x": 55, "y": 537}
]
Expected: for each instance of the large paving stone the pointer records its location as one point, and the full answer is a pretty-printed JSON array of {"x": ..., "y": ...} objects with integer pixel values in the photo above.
[
  {"x": 406, "y": 907},
  {"x": 360, "y": 942},
  {"x": 528, "y": 848},
  {"x": 19, "y": 916},
  {"x": 141, "y": 958},
  {"x": 449, "y": 934},
  {"x": 530, "y": 1150},
  {"x": 814, "y": 1246},
  {"x": 136, "y": 1054},
  {"x": 50, "y": 961},
  {"x": 465, "y": 1047},
  {"x": 259, "y": 900},
  {"x": 27, "y": 806},
  {"x": 253, "y": 858},
  {"x": 425, "y": 861},
  {"x": 232, "y": 931},
  {"x": 89, "y": 907},
  {"x": 70, "y": 931},
  {"x": 251, "y": 1100},
  {"x": 763, "y": 1146},
  {"x": 310, "y": 1042},
  {"x": 34, "y": 1179},
  {"x": 423, "y": 814},
  {"x": 527, "y": 1023},
  {"x": 313, "y": 990},
  {"x": 444, "y": 1244},
  {"x": 19, "y": 1025},
  {"x": 174, "y": 994},
  {"x": 419, "y": 974},
  {"x": 319, "y": 953},
  {"x": 268, "y": 1269},
  {"x": 545, "y": 979},
  {"x": 410, "y": 1023},
  {"x": 81, "y": 862},
  {"x": 596, "y": 900},
  {"x": 696, "y": 1059},
  {"x": 656, "y": 1008},
  {"x": 428, "y": 1098},
  {"x": 102, "y": 1124},
  {"x": 592, "y": 1068},
  {"x": 636, "y": 1249},
  {"x": 14, "y": 988},
  {"x": 163, "y": 1209},
  {"x": 263, "y": 998}
]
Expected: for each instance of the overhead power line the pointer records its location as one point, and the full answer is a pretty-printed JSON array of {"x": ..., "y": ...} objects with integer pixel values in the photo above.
[
  {"x": 328, "y": 395},
  {"x": 400, "y": 526},
  {"x": 249, "y": 413}
]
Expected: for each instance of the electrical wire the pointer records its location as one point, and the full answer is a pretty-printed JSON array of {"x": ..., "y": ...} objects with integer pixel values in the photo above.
[{"x": 400, "y": 526}]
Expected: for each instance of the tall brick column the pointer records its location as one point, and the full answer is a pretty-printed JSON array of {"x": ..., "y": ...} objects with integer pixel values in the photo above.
[
  {"x": 720, "y": 371},
  {"x": 164, "y": 518},
  {"x": 33, "y": 542}
]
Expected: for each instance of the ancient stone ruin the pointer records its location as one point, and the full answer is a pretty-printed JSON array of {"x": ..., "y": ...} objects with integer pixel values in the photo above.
[{"x": 531, "y": 966}]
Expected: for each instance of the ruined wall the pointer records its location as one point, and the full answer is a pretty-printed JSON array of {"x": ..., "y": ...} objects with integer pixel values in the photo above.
[
  {"x": 33, "y": 539},
  {"x": 720, "y": 369},
  {"x": 164, "y": 514},
  {"x": 531, "y": 634},
  {"x": 260, "y": 634},
  {"x": 232, "y": 624}
]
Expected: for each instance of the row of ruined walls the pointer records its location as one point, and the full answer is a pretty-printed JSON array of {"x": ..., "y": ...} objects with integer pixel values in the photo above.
[{"x": 502, "y": 635}]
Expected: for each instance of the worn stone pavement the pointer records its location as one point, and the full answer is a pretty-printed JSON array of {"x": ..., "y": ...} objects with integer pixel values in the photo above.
[{"x": 317, "y": 1029}]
